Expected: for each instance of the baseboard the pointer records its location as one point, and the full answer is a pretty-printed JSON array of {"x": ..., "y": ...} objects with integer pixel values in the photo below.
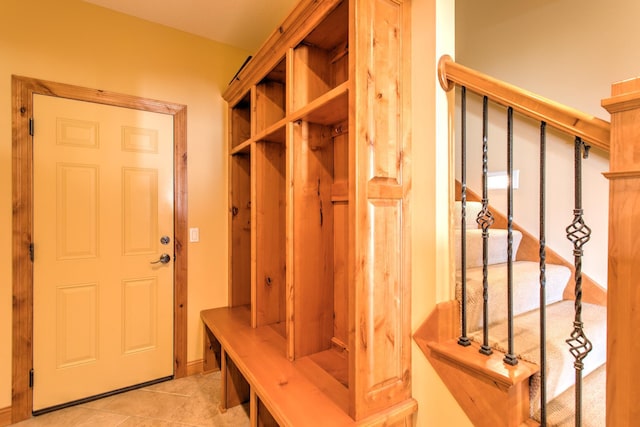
[
  {"x": 194, "y": 367},
  {"x": 5, "y": 416}
]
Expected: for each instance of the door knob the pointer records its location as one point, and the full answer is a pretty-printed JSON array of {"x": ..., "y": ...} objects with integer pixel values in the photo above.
[{"x": 164, "y": 258}]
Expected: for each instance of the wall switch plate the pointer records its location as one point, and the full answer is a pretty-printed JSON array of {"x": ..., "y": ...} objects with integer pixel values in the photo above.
[{"x": 194, "y": 234}]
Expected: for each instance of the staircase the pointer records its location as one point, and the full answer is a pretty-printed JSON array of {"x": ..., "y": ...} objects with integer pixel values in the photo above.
[
  {"x": 526, "y": 291},
  {"x": 491, "y": 392},
  {"x": 511, "y": 346}
]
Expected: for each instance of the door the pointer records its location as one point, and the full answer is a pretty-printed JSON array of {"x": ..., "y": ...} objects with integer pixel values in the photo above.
[{"x": 103, "y": 217}]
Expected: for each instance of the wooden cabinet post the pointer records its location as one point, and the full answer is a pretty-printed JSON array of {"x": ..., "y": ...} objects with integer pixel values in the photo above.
[{"x": 380, "y": 298}]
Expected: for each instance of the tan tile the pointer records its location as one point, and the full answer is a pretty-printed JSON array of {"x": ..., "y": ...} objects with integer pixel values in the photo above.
[
  {"x": 74, "y": 417},
  {"x": 149, "y": 422},
  {"x": 142, "y": 403},
  {"x": 198, "y": 384},
  {"x": 191, "y": 401},
  {"x": 238, "y": 416},
  {"x": 196, "y": 413}
]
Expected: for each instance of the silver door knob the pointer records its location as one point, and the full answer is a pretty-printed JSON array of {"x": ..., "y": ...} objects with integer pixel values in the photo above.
[{"x": 164, "y": 258}]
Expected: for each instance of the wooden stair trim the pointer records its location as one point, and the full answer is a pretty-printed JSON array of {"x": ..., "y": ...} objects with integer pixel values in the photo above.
[
  {"x": 442, "y": 324},
  {"x": 490, "y": 368},
  {"x": 490, "y": 393},
  {"x": 529, "y": 250},
  {"x": 485, "y": 404}
]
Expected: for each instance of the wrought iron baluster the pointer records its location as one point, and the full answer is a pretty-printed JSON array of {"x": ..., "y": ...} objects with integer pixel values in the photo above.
[
  {"x": 509, "y": 357},
  {"x": 485, "y": 220},
  {"x": 543, "y": 277},
  {"x": 463, "y": 340},
  {"x": 579, "y": 234}
]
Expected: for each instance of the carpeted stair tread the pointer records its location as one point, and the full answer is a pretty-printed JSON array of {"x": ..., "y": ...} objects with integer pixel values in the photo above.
[
  {"x": 560, "y": 370},
  {"x": 471, "y": 213},
  {"x": 561, "y": 410},
  {"x": 497, "y": 246},
  {"x": 526, "y": 279},
  {"x": 526, "y": 302}
]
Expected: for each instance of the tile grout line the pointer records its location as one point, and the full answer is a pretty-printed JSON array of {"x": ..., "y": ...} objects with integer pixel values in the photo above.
[
  {"x": 129, "y": 417},
  {"x": 167, "y": 392}
]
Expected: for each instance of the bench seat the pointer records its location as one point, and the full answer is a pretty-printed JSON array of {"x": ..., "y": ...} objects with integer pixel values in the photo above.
[{"x": 293, "y": 393}]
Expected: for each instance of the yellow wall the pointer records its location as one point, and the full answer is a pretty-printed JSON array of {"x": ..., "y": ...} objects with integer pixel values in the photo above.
[
  {"x": 430, "y": 200},
  {"x": 73, "y": 42}
]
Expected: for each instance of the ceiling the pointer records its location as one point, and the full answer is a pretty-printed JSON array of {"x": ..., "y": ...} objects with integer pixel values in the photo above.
[{"x": 241, "y": 23}]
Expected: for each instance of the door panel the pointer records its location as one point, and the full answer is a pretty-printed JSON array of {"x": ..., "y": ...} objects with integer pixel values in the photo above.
[
  {"x": 76, "y": 325},
  {"x": 139, "y": 211},
  {"x": 103, "y": 197},
  {"x": 140, "y": 313},
  {"x": 77, "y": 211}
]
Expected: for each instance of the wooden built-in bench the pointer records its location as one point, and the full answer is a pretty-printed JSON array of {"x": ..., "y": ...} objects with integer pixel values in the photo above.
[{"x": 254, "y": 368}]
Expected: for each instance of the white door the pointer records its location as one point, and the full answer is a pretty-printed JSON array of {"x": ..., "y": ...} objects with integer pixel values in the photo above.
[{"x": 103, "y": 215}]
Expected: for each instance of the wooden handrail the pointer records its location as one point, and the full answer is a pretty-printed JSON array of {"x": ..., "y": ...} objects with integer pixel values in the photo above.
[{"x": 576, "y": 123}]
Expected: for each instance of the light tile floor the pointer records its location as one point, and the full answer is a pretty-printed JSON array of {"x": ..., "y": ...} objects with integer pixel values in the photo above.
[{"x": 190, "y": 401}]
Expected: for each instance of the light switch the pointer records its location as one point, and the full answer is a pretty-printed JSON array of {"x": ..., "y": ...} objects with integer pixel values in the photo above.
[{"x": 194, "y": 234}]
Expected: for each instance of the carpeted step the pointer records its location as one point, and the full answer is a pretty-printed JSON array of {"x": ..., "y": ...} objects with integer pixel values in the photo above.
[
  {"x": 472, "y": 211},
  {"x": 561, "y": 410},
  {"x": 560, "y": 369},
  {"x": 497, "y": 247},
  {"x": 526, "y": 279},
  {"x": 497, "y": 242}
]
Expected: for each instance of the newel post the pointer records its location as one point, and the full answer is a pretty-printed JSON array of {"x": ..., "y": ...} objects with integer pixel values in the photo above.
[{"x": 623, "y": 318}]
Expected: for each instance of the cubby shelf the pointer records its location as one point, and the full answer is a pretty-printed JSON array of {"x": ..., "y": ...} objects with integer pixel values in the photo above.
[
  {"x": 244, "y": 147},
  {"x": 328, "y": 109},
  {"x": 274, "y": 133},
  {"x": 319, "y": 208},
  {"x": 240, "y": 126}
]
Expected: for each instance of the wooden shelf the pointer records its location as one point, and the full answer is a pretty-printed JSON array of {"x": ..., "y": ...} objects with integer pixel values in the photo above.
[
  {"x": 328, "y": 109},
  {"x": 321, "y": 61},
  {"x": 320, "y": 224},
  {"x": 260, "y": 355},
  {"x": 244, "y": 147},
  {"x": 240, "y": 118},
  {"x": 269, "y": 99},
  {"x": 273, "y": 133}
]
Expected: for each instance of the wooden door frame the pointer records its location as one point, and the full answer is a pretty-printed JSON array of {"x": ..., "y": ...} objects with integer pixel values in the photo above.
[{"x": 22, "y": 91}]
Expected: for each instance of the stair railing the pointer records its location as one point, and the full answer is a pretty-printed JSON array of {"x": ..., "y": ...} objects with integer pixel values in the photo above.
[{"x": 587, "y": 131}]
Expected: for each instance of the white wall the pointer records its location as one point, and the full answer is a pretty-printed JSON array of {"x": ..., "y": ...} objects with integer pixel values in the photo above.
[{"x": 571, "y": 52}]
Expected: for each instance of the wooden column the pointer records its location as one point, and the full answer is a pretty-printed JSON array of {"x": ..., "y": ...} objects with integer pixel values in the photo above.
[{"x": 623, "y": 345}]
